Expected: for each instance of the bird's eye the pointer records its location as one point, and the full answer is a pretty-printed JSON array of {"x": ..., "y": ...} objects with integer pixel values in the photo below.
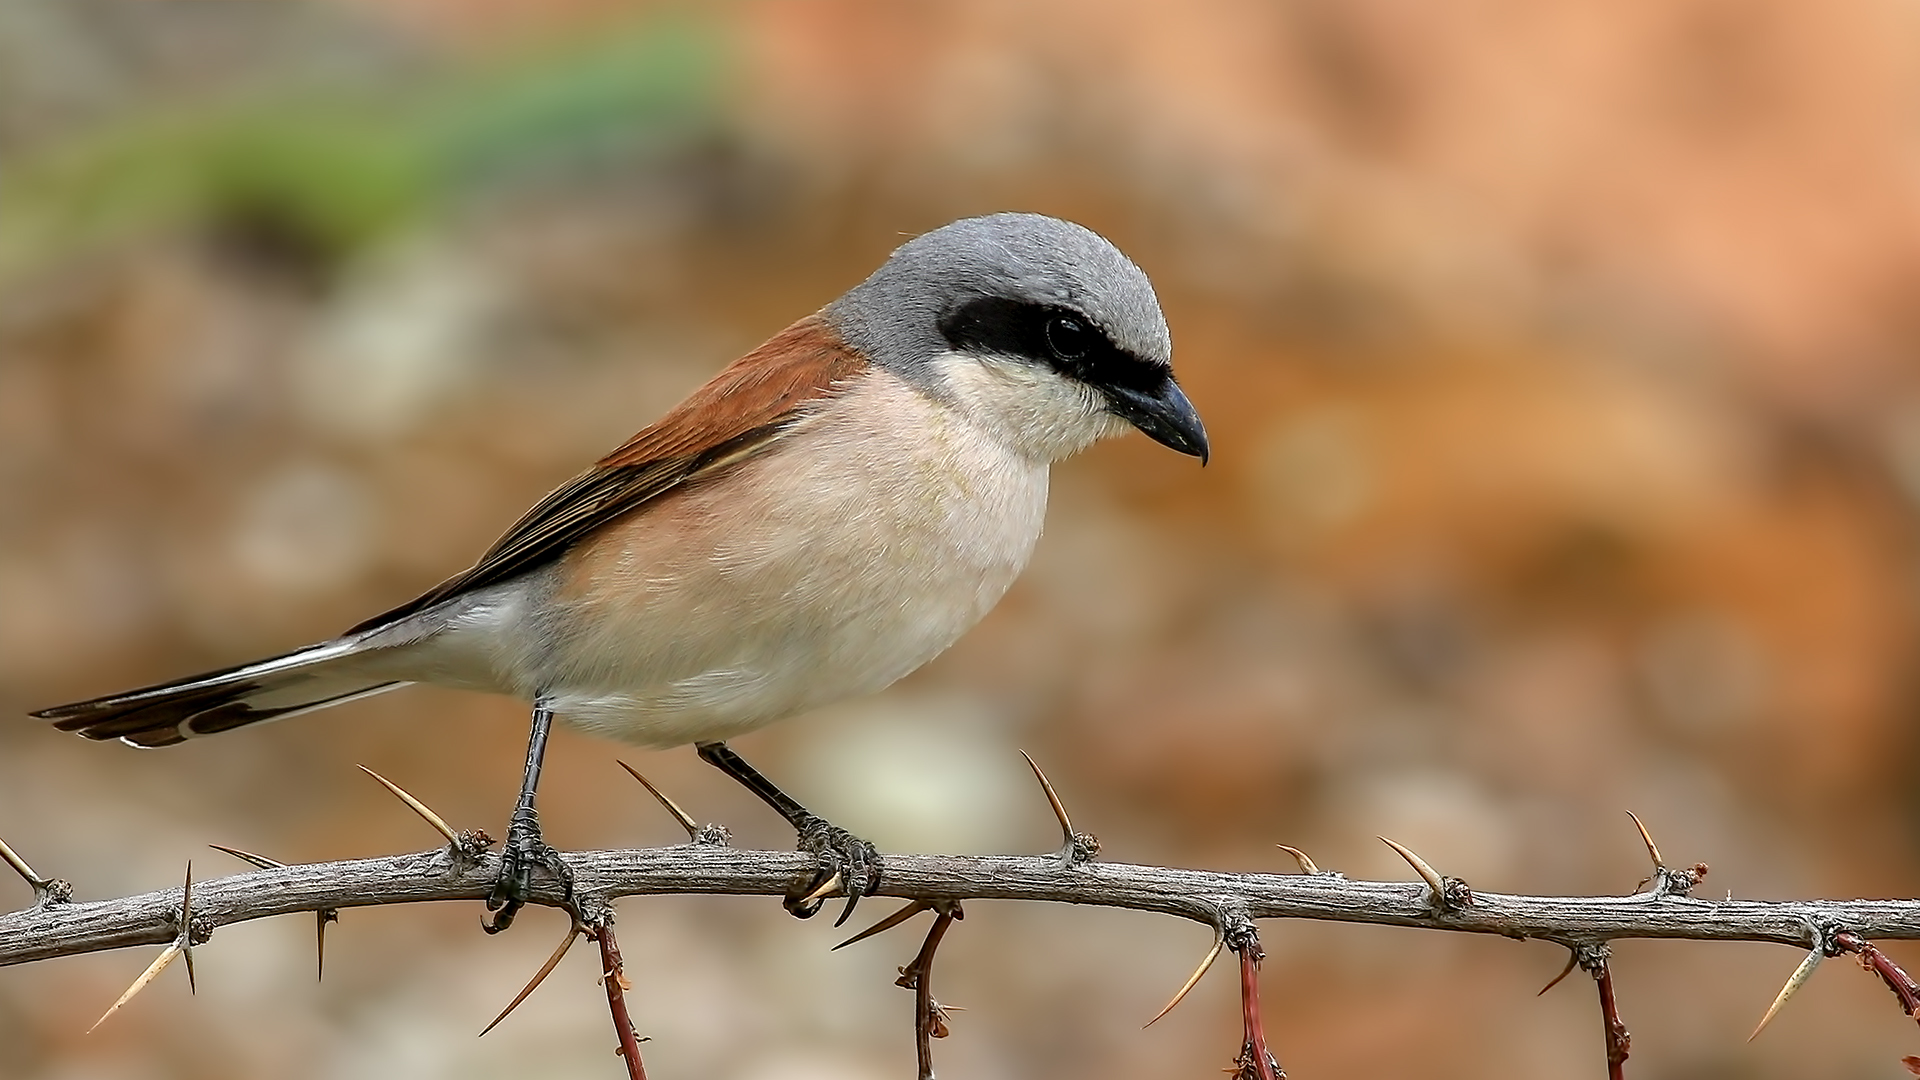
[{"x": 1068, "y": 337}]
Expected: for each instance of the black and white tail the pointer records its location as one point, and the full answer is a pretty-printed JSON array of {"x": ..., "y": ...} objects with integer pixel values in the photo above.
[{"x": 301, "y": 681}]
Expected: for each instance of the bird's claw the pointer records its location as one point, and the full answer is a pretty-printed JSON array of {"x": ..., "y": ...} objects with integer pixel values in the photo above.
[
  {"x": 525, "y": 849},
  {"x": 840, "y": 855}
]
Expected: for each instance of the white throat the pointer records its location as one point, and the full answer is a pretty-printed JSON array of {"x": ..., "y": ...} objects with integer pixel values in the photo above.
[{"x": 1036, "y": 413}]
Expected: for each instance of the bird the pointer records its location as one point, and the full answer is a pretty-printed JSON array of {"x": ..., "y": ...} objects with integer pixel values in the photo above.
[{"x": 827, "y": 514}]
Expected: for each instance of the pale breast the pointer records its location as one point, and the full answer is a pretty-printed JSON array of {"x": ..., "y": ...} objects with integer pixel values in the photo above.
[{"x": 857, "y": 550}]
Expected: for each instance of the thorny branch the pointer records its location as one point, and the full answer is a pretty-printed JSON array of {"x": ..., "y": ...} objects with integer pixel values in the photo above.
[
  {"x": 72, "y": 928},
  {"x": 1256, "y": 1061},
  {"x": 613, "y": 974},
  {"x": 56, "y": 926},
  {"x": 1874, "y": 960},
  {"x": 929, "y": 1016},
  {"x": 1594, "y": 960}
]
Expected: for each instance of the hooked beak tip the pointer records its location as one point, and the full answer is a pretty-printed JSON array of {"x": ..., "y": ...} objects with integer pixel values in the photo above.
[{"x": 1164, "y": 415}]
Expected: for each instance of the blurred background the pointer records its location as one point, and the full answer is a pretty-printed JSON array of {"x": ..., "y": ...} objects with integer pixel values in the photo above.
[{"x": 1559, "y": 361}]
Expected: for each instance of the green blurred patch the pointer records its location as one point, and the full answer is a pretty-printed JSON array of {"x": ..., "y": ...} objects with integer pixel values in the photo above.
[{"x": 342, "y": 168}]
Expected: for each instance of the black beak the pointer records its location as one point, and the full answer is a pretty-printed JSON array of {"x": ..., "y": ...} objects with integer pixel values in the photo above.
[{"x": 1163, "y": 415}]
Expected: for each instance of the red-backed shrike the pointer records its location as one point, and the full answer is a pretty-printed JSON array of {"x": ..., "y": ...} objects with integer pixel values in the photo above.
[{"x": 826, "y": 515}]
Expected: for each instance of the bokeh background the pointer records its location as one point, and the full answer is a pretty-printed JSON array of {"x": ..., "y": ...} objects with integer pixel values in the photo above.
[{"x": 1560, "y": 365}]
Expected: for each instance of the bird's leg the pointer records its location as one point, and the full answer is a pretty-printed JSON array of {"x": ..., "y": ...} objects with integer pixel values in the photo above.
[
  {"x": 525, "y": 847},
  {"x": 840, "y": 853}
]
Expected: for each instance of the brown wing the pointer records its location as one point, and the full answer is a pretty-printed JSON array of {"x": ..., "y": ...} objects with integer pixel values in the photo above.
[{"x": 738, "y": 414}]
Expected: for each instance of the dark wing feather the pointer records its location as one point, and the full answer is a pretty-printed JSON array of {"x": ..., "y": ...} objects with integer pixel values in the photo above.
[{"x": 740, "y": 413}]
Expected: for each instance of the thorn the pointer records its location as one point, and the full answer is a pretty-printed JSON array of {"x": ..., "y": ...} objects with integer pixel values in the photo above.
[
  {"x": 20, "y": 867},
  {"x": 418, "y": 807},
  {"x": 1075, "y": 847},
  {"x": 679, "y": 815},
  {"x": 1794, "y": 982},
  {"x": 1573, "y": 958},
  {"x": 180, "y": 946},
  {"x": 321, "y": 917},
  {"x": 320, "y": 920},
  {"x": 1206, "y": 962},
  {"x": 45, "y": 890},
  {"x": 260, "y": 861},
  {"x": 1053, "y": 799},
  {"x": 541, "y": 975},
  {"x": 1306, "y": 864},
  {"x": 159, "y": 964},
  {"x": 827, "y": 888},
  {"x": 1427, "y": 873},
  {"x": 914, "y": 907},
  {"x": 942, "y": 1013},
  {"x": 1653, "y": 850},
  {"x": 186, "y": 927}
]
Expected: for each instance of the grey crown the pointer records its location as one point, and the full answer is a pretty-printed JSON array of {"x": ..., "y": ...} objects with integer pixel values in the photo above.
[{"x": 894, "y": 316}]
